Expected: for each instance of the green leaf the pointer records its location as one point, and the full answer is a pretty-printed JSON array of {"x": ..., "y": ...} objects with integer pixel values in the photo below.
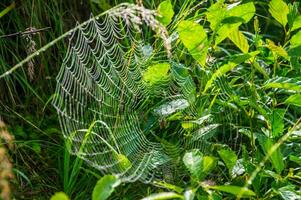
[
  {"x": 235, "y": 17},
  {"x": 59, "y": 196},
  {"x": 166, "y": 12},
  {"x": 296, "y": 40},
  {"x": 278, "y": 50},
  {"x": 277, "y": 122},
  {"x": 296, "y": 51},
  {"x": 261, "y": 69},
  {"x": 292, "y": 15},
  {"x": 198, "y": 165},
  {"x": 295, "y": 159},
  {"x": 288, "y": 192},
  {"x": 235, "y": 190},
  {"x": 123, "y": 162},
  {"x": 283, "y": 83},
  {"x": 169, "y": 186},
  {"x": 239, "y": 40},
  {"x": 294, "y": 100},
  {"x": 216, "y": 13},
  {"x": 244, "y": 11},
  {"x": 276, "y": 157},
  {"x": 156, "y": 73},
  {"x": 279, "y": 10},
  {"x": 229, "y": 157},
  {"x": 229, "y": 66},
  {"x": 163, "y": 195},
  {"x": 296, "y": 23},
  {"x": 105, "y": 187},
  {"x": 194, "y": 38}
]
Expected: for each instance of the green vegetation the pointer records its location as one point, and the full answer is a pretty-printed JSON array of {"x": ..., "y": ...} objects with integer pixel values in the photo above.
[{"x": 219, "y": 102}]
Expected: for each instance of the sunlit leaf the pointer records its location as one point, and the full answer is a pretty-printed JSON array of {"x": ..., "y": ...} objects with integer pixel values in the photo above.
[
  {"x": 171, "y": 107},
  {"x": 277, "y": 122},
  {"x": 296, "y": 40},
  {"x": 228, "y": 67},
  {"x": 163, "y": 195},
  {"x": 229, "y": 157},
  {"x": 294, "y": 100},
  {"x": 105, "y": 187},
  {"x": 59, "y": 196},
  {"x": 235, "y": 17},
  {"x": 156, "y": 73},
  {"x": 288, "y": 192},
  {"x": 278, "y": 50},
  {"x": 189, "y": 195},
  {"x": 293, "y": 14},
  {"x": 235, "y": 190},
  {"x": 296, "y": 23},
  {"x": 198, "y": 165},
  {"x": 239, "y": 40},
  {"x": 279, "y": 11},
  {"x": 166, "y": 12},
  {"x": 244, "y": 11},
  {"x": 276, "y": 157},
  {"x": 283, "y": 83},
  {"x": 194, "y": 38},
  {"x": 216, "y": 13}
]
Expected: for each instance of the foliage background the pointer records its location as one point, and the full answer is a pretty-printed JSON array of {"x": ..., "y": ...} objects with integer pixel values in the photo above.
[{"x": 42, "y": 165}]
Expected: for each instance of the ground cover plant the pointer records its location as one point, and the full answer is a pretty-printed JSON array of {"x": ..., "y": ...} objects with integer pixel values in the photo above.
[{"x": 151, "y": 99}]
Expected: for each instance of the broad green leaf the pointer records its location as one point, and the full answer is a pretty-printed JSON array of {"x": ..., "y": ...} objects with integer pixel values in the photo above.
[
  {"x": 228, "y": 67},
  {"x": 163, "y": 195},
  {"x": 276, "y": 121},
  {"x": 105, "y": 187},
  {"x": 244, "y": 11},
  {"x": 283, "y": 83},
  {"x": 235, "y": 17},
  {"x": 166, "y": 12},
  {"x": 288, "y": 192},
  {"x": 198, "y": 165},
  {"x": 239, "y": 40},
  {"x": 294, "y": 100},
  {"x": 276, "y": 157},
  {"x": 171, "y": 107},
  {"x": 296, "y": 23},
  {"x": 59, "y": 196},
  {"x": 194, "y": 38},
  {"x": 216, "y": 13},
  {"x": 156, "y": 73},
  {"x": 208, "y": 164},
  {"x": 279, "y": 10},
  {"x": 293, "y": 15},
  {"x": 204, "y": 133},
  {"x": 235, "y": 190},
  {"x": 296, "y": 40},
  {"x": 229, "y": 157},
  {"x": 193, "y": 162},
  {"x": 278, "y": 50}
]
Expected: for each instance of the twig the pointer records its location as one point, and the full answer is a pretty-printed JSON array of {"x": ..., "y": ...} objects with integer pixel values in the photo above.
[{"x": 27, "y": 32}]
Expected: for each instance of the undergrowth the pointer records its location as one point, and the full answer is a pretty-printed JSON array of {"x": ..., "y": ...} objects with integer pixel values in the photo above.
[{"x": 242, "y": 62}]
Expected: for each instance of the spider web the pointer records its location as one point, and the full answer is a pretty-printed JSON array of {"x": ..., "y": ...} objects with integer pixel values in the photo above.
[{"x": 101, "y": 98}]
